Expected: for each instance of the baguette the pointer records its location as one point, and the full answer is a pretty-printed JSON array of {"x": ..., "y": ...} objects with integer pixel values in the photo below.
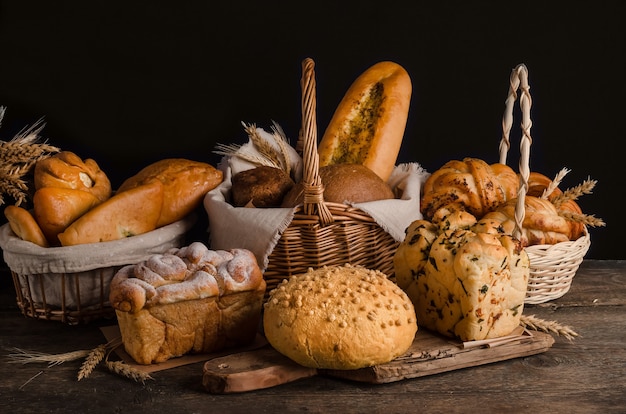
[{"x": 368, "y": 125}]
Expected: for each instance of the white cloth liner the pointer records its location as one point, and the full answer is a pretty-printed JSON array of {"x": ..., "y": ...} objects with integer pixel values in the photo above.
[
  {"x": 90, "y": 266},
  {"x": 24, "y": 257}
]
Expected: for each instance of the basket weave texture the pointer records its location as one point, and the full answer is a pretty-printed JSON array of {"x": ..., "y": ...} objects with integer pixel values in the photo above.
[
  {"x": 71, "y": 284},
  {"x": 552, "y": 267}
]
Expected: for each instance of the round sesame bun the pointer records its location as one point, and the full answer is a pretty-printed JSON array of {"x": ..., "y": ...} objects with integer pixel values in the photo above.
[{"x": 339, "y": 317}]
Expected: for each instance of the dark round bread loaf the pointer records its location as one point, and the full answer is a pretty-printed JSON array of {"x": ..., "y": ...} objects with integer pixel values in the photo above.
[{"x": 261, "y": 187}]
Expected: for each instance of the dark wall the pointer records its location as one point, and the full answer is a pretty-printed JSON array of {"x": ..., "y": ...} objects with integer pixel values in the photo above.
[{"x": 131, "y": 82}]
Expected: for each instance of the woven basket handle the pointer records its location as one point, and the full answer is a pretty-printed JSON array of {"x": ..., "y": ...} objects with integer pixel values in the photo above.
[
  {"x": 312, "y": 183},
  {"x": 518, "y": 81}
]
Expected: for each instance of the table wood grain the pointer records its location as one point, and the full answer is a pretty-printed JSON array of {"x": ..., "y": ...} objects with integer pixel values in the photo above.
[{"x": 585, "y": 375}]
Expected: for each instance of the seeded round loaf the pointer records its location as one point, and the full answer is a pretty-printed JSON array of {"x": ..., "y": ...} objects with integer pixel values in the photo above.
[{"x": 339, "y": 317}]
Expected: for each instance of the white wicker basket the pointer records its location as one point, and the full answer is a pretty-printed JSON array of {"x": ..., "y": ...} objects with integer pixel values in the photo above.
[{"x": 552, "y": 267}]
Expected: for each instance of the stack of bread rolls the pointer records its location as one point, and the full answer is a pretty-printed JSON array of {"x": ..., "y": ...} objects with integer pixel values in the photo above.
[{"x": 74, "y": 204}]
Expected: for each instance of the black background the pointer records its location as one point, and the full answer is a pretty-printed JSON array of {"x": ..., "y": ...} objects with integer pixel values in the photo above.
[{"x": 131, "y": 82}]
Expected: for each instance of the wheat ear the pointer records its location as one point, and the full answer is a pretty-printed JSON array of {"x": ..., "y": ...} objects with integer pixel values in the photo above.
[
  {"x": 25, "y": 357},
  {"x": 553, "y": 327}
]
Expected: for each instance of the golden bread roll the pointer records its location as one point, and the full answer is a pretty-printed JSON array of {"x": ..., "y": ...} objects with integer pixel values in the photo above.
[
  {"x": 66, "y": 187},
  {"x": 125, "y": 214},
  {"x": 185, "y": 183},
  {"x": 56, "y": 208},
  {"x": 369, "y": 123},
  {"x": 352, "y": 183},
  {"x": 339, "y": 317},
  {"x": 188, "y": 300},
  {"x": 542, "y": 223},
  {"x": 261, "y": 187},
  {"x": 537, "y": 183},
  {"x": 24, "y": 225},
  {"x": 470, "y": 184},
  {"x": 67, "y": 170}
]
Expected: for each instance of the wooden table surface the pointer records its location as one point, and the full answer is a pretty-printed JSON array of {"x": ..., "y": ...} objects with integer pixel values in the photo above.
[{"x": 586, "y": 375}]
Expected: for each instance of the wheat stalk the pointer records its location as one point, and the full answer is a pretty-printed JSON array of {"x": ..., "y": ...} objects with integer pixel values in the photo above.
[
  {"x": 283, "y": 143},
  {"x": 587, "y": 219},
  {"x": 239, "y": 152},
  {"x": 18, "y": 158},
  {"x": 125, "y": 370},
  {"x": 93, "y": 359},
  {"x": 553, "y": 327},
  {"x": 267, "y": 154},
  {"x": 575, "y": 192},
  {"x": 554, "y": 184},
  {"x": 25, "y": 357}
]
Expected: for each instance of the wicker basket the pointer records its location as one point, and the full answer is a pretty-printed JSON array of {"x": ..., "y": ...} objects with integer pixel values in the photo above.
[
  {"x": 552, "y": 267},
  {"x": 71, "y": 284},
  {"x": 323, "y": 233}
]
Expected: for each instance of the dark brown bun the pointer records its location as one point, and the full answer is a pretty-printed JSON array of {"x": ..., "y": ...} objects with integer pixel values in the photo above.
[
  {"x": 352, "y": 183},
  {"x": 261, "y": 187}
]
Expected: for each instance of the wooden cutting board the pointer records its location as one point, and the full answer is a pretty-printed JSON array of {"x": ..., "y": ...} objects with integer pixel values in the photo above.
[{"x": 429, "y": 354}]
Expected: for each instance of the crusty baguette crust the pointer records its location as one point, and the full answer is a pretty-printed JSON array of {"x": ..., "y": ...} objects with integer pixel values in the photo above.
[{"x": 369, "y": 123}]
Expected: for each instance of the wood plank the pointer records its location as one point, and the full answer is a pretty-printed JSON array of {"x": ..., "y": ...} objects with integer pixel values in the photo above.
[{"x": 429, "y": 354}]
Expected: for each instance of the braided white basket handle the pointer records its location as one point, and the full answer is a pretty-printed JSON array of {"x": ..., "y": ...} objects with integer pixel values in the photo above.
[{"x": 518, "y": 82}]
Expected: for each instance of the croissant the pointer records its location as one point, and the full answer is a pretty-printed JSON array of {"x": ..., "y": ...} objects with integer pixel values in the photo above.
[
  {"x": 542, "y": 223},
  {"x": 537, "y": 183},
  {"x": 470, "y": 184}
]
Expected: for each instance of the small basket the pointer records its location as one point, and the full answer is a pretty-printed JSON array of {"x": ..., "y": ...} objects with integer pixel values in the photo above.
[
  {"x": 552, "y": 267},
  {"x": 71, "y": 284}
]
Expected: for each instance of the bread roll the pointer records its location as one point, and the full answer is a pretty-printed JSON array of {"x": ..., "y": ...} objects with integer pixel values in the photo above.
[
  {"x": 185, "y": 183},
  {"x": 542, "y": 223},
  {"x": 67, "y": 170},
  {"x": 24, "y": 225},
  {"x": 66, "y": 187},
  {"x": 339, "y": 317},
  {"x": 351, "y": 183},
  {"x": 56, "y": 208},
  {"x": 537, "y": 183},
  {"x": 189, "y": 300},
  {"x": 470, "y": 184},
  {"x": 368, "y": 125},
  {"x": 261, "y": 187},
  {"x": 128, "y": 213}
]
